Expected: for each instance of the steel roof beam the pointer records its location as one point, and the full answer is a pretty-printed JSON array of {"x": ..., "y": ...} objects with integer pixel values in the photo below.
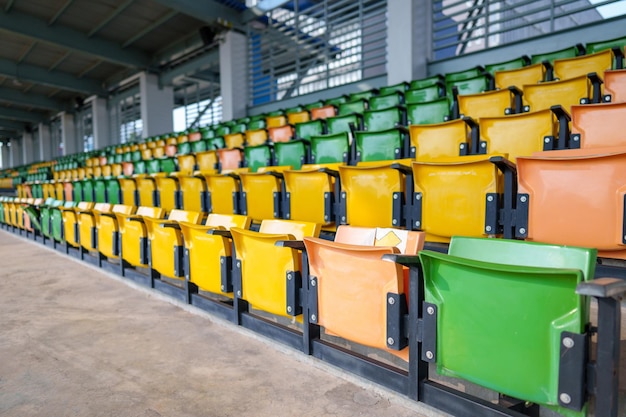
[
  {"x": 56, "y": 79},
  {"x": 110, "y": 17},
  {"x": 189, "y": 68},
  {"x": 31, "y": 100},
  {"x": 34, "y": 28},
  {"x": 21, "y": 115},
  {"x": 207, "y": 10},
  {"x": 12, "y": 125}
]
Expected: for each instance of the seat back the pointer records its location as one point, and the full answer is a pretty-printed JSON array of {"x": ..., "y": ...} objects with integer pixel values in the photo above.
[
  {"x": 487, "y": 104},
  {"x": 292, "y": 153},
  {"x": 452, "y": 195},
  {"x": 567, "y": 93},
  {"x": 479, "y": 292},
  {"x": 229, "y": 159},
  {"x": 569, "y": 52},
  {"x": 426, "y": 82},
  {"x": 532, "y": 74},
  {"x": 306, "y": 130},
  {"x": 582, "y": 65},
  {"x": 258, "y": 156},
  {"x": 276, "y": 121},
  {"x": 207, "y": 161},
  {"x": 386, "y": 101},
  {"x": 502, "y": 134},
  {"x": 298, "y": 117},
  {"x": 594, "y": 125},
  {"x": 377, "y": 120},
  {"x": 323, "y": 112},
  {"x": 422, "y": 95},
  {"x": 264, "y": 266},
  {"x": 615, "y": 86},
  {"x": 260, "y": 192},
  {"x": 308, "y": 194},
  {"x": 507, "y": 65},
  {"x": 356, "y": 308},
  {"x": 341, "y": 124},
  {"x": 192, "y": 189},
  {"x": 439, "y": 140},
  {"x": 255, "y": 137},
  {"x": 428, "y": 112},
  {"x": 331, "y": 148},
  {"x": 281, "y": 134},
  {"x": 590, "y": 183},
  {"x": 379, "y": 145}
]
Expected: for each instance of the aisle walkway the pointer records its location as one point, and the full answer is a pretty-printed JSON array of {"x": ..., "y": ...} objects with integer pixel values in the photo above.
[{"x": 76, "y": 341}]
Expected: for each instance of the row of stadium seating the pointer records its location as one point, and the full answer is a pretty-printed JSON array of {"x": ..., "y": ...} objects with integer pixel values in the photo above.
[{"x": 271, "y": 247}]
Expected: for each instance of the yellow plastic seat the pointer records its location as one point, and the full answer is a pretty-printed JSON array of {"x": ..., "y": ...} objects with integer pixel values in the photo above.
[
  {"x": 261, "y": 193},
  {"x": 207, "y": 162},
  {"x": 532, "y": 74},
  {"x": 167, "y": 189},
  {"x": 615, "y": 86},
  {"x": 490, "y": 104},
  {"x": 70, "y": 222},
  {"x": 298, "y": 117},
  {"x": 145, "y": 190},
  {"x": 256, "y": 137},
  {"x": 186, "y": 164},
  {"x": 192, "y": 192},
  {"x": 596, "y": 125},
  {"x": 165, "y": 241},
  {"x": 369, "y": 194},
  {"x": 263, "y": 266},
  {"x": 438, "y": 140},
  {"x": 502, "y": 134},
  {"x": 234, "y": 140},
  {"x": 589, "y": 183},
  {"x": 275, "y": 121},
  {"x": 134, "y": 235},
  {"x": 567, "y": 68},
  {"x": 108, "y": 229},
  {"x": 87, "y": 225},
  {"x": 146, "y": 154},
  {"x": 356, "y": 309},
  {"x": 566, "y": 93},
  {"x": 310, "y": 193},
  {"x": 452, "y": 196},
  {"x": 222, "y": 195},
  {"x": 206, "y": 252}
]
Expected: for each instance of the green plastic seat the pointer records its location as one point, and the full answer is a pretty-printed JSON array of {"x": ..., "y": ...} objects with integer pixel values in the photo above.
[
  {"x": 112, "y": 191},
  {"x": 222, "y": 130},
  {"x": 314, "y": 105},
  {"x": 400, "y": 87},
  {"x": 507, "y": 65},
  {"x": 379, "y": 146},
  {"x": 392, "y": 99},
  {"x": 118, "y": 158},
  {"x": 77, "y": 190},
  {"x": 355, "y": 106},
  {"x": 215, "y": 143},
  {"x": 198, "y": 146},
  {"x": 472, "y": 85},
  {"x": 501, "y": 308},
  {"x": 570, "y": 52},
  {"x": 45, "y": 217},
  {"x": 292, "y": 153},
  {"x": 127, "y": 157},
  {"x": 256, "y": 157},
  {"x": 56, "y": 220},
  {"x": 424, "y": 94},
  {"x": 615, "y": 44},
  {"x": 139, "y": 167},
  {"x": 256, "y": 124},
  {"x": 184, "y": 148},
  {"x": 426, "y": 82},
  {"x": 452, "y": 77},
  {"x": 135, "y": 156},
  {"x": 429, "y": 112},
  {"x": 336, "y": 101},
  {"x": 331, "y": 148},
  {"x": 339, "y": 124},
  {"x": 207, "y": 133},
  {"x": 377, "y": 120},
  {"x": 88, "y": 190},
  {"x": 295, "y": 109},
  {"x": 362, "y": 95},
  {"x": 153, "y": 166},
  {"x": 239, "y": 128},
  {"x": 306, "y": 130},
  {"x": 167, "y": 165}
]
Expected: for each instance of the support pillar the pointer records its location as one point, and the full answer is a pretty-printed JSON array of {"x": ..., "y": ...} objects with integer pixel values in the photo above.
[
  {"x": 408, "y": 53},
  {"x": 16, "y": 152},
  {"x": 45, "y": 145},
  {"x": 100, "y": 117},
  {"x": 6, "y": 154},
  {"x": 27, "y": 147},
  {"x": 157, "y": 106},
  {"x": 68, "y": 134},
  {"x": 233, "y": 75}
]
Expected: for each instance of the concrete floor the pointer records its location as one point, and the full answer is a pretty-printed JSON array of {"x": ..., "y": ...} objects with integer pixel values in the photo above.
[{"x": 76, "y": 341}]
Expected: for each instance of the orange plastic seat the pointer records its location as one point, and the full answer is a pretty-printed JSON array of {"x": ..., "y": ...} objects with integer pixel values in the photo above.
[
  {"x": 615, "y": 86},
  {"x": 574, "y": 197},
  {"x": 596, "y": 125},
  {"x": 323, "y": 112}
]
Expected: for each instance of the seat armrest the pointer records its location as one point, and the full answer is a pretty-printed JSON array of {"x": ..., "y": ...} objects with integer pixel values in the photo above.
[
  {"x": 172, "y": 225},
  {"x": 406, "y": 260},
  {"x": 602, "y": 288},
  {"x": 293, "y": 244},
  {"x": 218, "y": 232},
  {"x": 329, "y": 171}
]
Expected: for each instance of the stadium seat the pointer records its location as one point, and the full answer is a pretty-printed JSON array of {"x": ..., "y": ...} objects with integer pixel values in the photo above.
[
  {"x": 208, "y": 253},
  {"x": 456, "y": 196},
  {"x": 108, "y": 243},
  {"x": 565, "y": 93},
  {"x": 490, "y": 103},
  {"x": 425, "y": 94},
  {"x": 615, "y": 86},
  {"x": 222, "y": 193},
  {"x": 360, "y": 309},
  {"x": 548, "y": 58},
  {"x": 386, "y": 101},
  {"x": 582, "y": 65},
  {"x": 314, "y": 127},
  {"x": 310, "y": 193},
  {"x": 132, "y": 229},
  {"x": 400, "y": 87},
  {"x": 378, "y": 120},
  {"x": 261, "y": 193},
  {"x": 589, "y": 182},
  {"x": 261, "y": 269},
  {"x": 543, "y": 130},
  {"x": 436, "y": 79},
  {"x": 545, "y": 347},
  {"x": 292, "y": 154},
  {"x": 71, "y": 231},
  {"x": 515, "y": 63},
  {"x": 165, "y": 245},
  {"x": 358, "y": 106},
  {"x": 86, "y": 220},
  {"x": 532, "y": 74},
  {"x": 617, "y": 45},
  {"x": 428, "y": 112},
  {"x": 594, "y": 126},
  {"x": 324, "y": 112},
  {"x": 456, "y": 137},
  {"x": 380, "y": 145}
]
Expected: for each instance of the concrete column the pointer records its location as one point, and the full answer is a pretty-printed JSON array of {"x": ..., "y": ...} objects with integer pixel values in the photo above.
[
  {"x": 16, "y": 152},
  {"x": 157, "y": 106},
  {"x": 233, "y": 75},
  {"x": 27, "y": 147},
  {"x": 68, "y": 134},
  {"x": 6, "y": 154},
  {"x": 408, "y": 53},
  {"x": 100, "y": 116},
  {"x": 45, "y": 144}
]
